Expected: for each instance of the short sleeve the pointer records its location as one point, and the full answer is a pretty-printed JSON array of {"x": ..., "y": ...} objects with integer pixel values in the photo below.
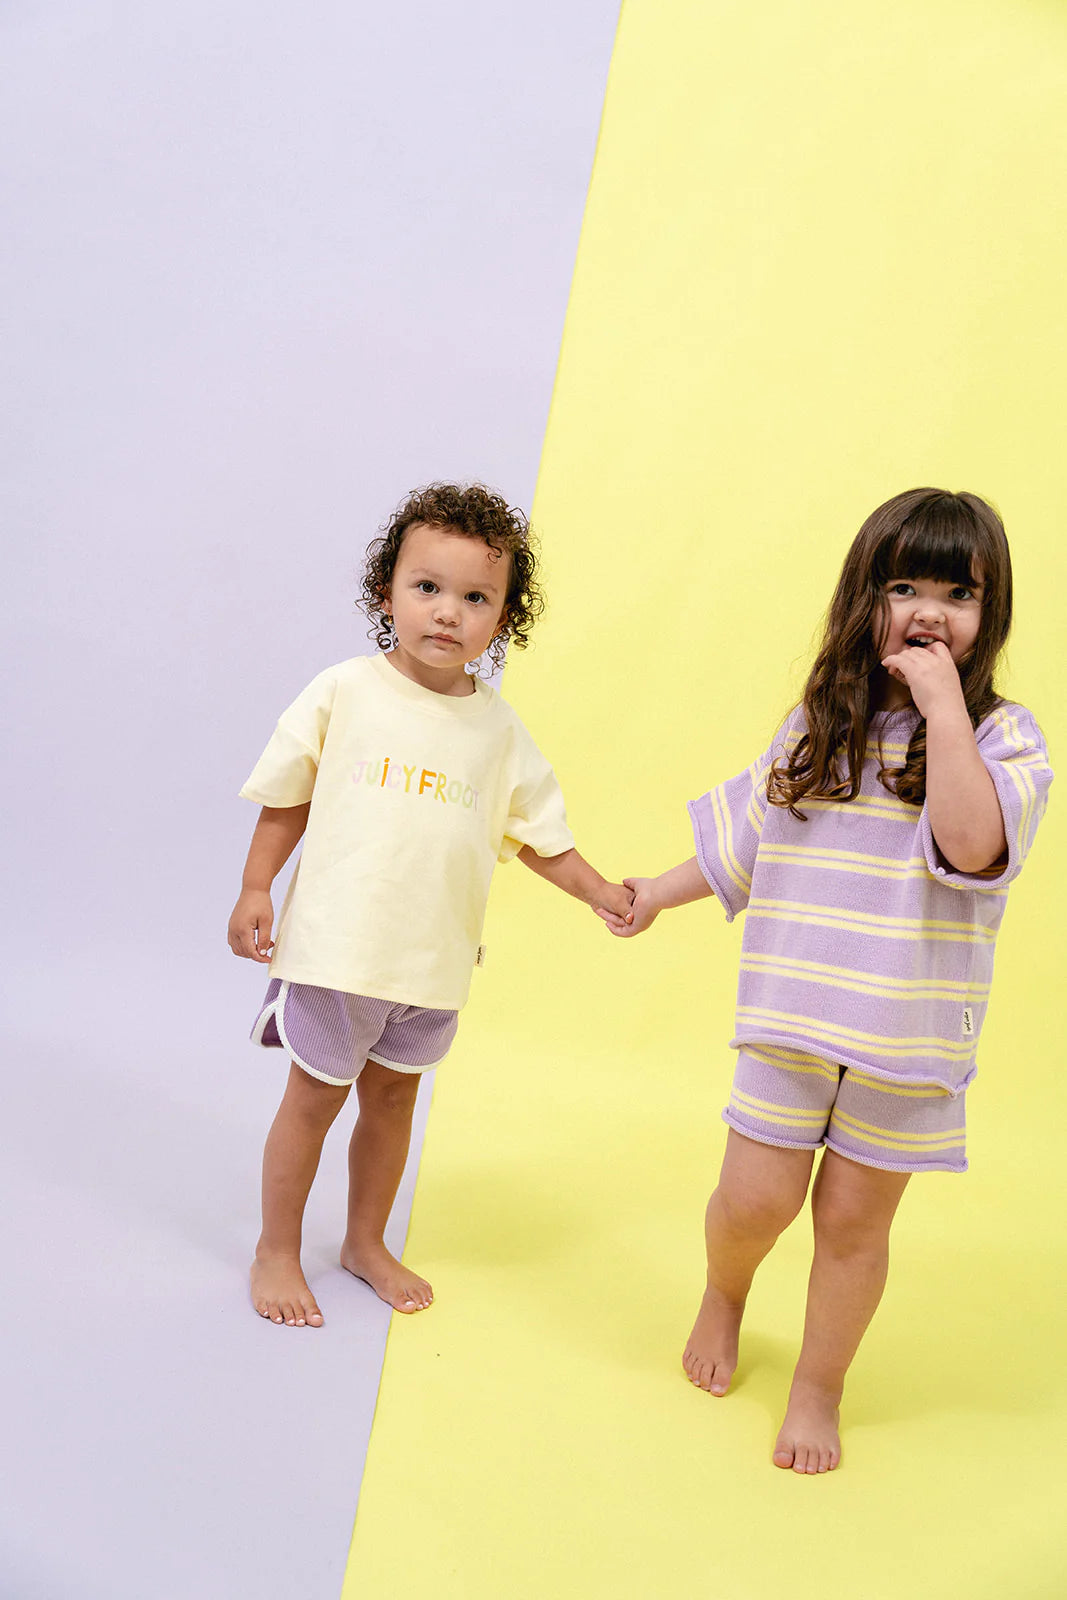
[
  {"x": 285, "y": 773},
  {"x": 727, "y": 824},
  {"x": 1013, "y": 749},
  {"x": 536, "y": 813}
]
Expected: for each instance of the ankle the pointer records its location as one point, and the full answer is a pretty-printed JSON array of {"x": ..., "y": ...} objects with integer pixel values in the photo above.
[
  {"x": 822, "y": 1386},
  {"x": 272, "y": 1250},
  {"x": 363, "y": 1243}
]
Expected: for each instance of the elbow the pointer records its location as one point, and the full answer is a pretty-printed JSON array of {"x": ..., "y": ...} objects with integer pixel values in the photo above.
[{"x": 972, "y": 856}]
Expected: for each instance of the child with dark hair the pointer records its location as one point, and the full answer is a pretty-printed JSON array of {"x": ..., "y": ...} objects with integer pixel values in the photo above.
[
  {"x": 408, "y": 778},
  {"x": 872, "y": 846}
]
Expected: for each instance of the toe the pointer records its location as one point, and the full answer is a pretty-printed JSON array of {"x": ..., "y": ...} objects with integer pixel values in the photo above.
[{"x": 783, "y": 1455}]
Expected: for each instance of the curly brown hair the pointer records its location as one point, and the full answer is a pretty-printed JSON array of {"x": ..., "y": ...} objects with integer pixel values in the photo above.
[
  {"x": 478, "y": 513},
  {"x": 922, "y": 533}
]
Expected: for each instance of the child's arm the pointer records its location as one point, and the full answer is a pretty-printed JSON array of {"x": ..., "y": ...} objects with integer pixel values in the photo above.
[
  {"x": 276, "y": 836},
  {"x": 961, "y": 801},
  {"x": 571, "y": 873},
  {"x": 675, "y": 887}
]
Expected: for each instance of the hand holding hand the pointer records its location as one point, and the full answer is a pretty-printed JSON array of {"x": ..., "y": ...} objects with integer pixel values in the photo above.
[
  {"x": 613, "y": 904},
  {"x": 930, "y": 674},
  {"x": 644, "y": 911},
  {"x": 250, "y": 924}
]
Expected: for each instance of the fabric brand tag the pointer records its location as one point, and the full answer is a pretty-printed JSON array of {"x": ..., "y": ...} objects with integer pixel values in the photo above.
[
  {"x": 968, "y": 1023},
  {"x": 479, "y": 960}
]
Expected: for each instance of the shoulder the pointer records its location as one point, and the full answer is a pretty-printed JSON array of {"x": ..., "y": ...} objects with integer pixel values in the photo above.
[{"x": 1011, "y": 729}]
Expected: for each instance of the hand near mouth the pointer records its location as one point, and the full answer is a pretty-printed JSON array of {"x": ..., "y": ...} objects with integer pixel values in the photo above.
[{"x": 928, "y": 670}]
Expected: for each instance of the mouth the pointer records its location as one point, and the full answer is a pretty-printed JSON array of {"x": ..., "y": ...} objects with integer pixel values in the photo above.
[
  {"x": 919, "y": 641},
  {"x": 443, "y": 638}
]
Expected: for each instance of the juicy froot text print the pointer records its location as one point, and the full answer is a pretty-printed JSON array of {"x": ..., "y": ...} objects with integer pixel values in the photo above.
[{"x": 388, "y": 774}]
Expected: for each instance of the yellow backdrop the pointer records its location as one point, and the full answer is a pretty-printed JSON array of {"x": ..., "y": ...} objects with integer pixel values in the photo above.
[{"x": 823, "y": 261}]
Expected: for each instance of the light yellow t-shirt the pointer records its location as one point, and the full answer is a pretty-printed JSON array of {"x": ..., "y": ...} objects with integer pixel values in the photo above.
[{"x": 414, "y": 798}]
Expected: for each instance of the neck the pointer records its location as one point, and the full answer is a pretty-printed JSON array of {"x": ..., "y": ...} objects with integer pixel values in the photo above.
[{"x": 441, "y": 680}]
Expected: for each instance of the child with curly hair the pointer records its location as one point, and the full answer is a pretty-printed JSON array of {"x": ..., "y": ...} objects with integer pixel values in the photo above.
[{"x": 408, "y": 778}]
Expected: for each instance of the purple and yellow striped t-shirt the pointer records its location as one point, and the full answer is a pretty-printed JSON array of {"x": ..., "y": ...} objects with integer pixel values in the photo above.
[{"x": 861, "y": 946}]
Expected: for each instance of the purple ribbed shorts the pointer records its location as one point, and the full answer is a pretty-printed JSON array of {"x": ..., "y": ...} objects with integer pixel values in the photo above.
[
  {"x": 331, "y": 1034},
  {"x": 785, "y": 1097}
]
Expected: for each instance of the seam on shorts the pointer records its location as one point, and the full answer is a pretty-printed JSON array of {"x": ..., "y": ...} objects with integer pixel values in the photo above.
[
  {"x": 779, "y": 1144},
  {"x": 398, "y": 1066},
  {"x": 260, "y": 1026},
  {"x": 891, "y": 1166},
  {"x": 278, "y": 1007}
]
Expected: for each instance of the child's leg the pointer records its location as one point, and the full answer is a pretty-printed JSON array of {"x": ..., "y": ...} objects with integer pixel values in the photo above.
[
  {"x": 761, "y": 1189},
  {"x": 376, "y": 1158},
  {"x": 852, "y": 1209},
  {"x": 290, "y": 1161}
]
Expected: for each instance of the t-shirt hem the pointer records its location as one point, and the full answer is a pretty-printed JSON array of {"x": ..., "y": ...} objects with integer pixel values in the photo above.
[
  {"x": 347, "y": 983},
  {"x": 931, "y": 1078}
]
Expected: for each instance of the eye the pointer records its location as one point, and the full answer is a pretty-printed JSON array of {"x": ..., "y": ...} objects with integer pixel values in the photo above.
[
  {"x": 960, "y": 593},
  {"x": 424, "y": 586},
  {"x": 901, "y": 589},
  {"x": 476, "y": 597}
]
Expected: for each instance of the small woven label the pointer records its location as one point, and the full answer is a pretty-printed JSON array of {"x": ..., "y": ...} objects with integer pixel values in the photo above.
[
  {"x": 479, "y": 960},
  {"x": 968, "y": 1023}
]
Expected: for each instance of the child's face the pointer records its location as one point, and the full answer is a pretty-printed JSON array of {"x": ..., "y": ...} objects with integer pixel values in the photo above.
[
  {"x": 446, "y": 600},
  {"x": 924, "y": 609}
]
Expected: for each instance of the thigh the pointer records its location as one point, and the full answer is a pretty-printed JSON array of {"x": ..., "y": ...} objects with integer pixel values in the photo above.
[{"x": 763, "y": 1178}]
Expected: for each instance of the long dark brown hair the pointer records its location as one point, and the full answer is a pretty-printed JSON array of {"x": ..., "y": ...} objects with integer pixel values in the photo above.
[{"x": 923, "y": 533}]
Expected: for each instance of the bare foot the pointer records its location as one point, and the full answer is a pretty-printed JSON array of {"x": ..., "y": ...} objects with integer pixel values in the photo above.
[
  {"x": 809, "y": 1440},
  {"x": 711, "y": 1354},
  {"x": 280, "y": 1292},
  {"x": 391, "y": 1281}
]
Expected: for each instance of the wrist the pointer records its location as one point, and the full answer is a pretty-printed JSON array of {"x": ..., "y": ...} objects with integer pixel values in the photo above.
[{"x": 592, "y": 891}]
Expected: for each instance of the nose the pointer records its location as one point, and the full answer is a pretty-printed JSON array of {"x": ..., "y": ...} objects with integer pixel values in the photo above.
[
  {"x": 445, "y": 610},
  {"x": 929, "y": 610}
]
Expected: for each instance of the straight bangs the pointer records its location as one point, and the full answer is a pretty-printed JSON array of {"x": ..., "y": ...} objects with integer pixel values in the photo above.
[
  {"x": 922, "y": 533},
  {"x": 941, "y": 540}
]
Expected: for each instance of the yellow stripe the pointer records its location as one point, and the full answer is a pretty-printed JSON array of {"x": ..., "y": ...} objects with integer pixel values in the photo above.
[
  {"x": 940, "y": 1140},
  {"x": 1024, "y": 782},
  {"x": 862, "y": 983},
  {"x": 797, "y": 911},
  {"x": 926, "y": 1091},
  {"x": 724, "y": 834},
  {"x": 798, "y": 1061},
  {"x": 792, "y": 1061},
  {"x": 757, "y": 800},
  {"x": 875, "y": 805},
  {"x": 767, "y": 1111},
  {"x": 890, "y": 863},
  {"x": 813, "y": 1027},
  {"x": 836, "y": 861}
]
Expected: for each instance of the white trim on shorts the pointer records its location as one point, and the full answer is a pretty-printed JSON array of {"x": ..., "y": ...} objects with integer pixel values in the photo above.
[{"x": 276, "y": 1009}]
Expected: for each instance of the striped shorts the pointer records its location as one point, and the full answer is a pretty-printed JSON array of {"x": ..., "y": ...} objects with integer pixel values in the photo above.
[
  {"x": 785, "y": 1097},
  {"x": 332, "y": 1034}
]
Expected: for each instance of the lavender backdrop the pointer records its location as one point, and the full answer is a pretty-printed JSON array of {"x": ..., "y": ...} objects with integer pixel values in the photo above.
[{"x": 268, "y": 266}]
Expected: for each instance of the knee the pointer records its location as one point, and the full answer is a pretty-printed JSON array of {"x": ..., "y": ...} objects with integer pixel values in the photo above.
[
  {"x": 844, "y": 1229},
  {"x": 388, "y": 1097},
  {"x": 762, "y": 1213}
]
